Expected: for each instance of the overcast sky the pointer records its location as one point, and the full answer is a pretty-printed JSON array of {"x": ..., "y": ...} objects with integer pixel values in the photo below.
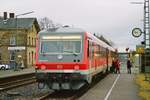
[{"x": 114, "y": 19}]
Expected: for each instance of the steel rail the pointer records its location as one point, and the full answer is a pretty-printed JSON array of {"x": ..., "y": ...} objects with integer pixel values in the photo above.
[
  {"x": 70, "y": 95},
  {"x": 14, "y": 82}
]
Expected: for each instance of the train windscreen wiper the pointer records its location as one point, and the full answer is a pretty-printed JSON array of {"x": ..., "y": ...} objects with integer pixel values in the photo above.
[{"x": 71, "y": 52}]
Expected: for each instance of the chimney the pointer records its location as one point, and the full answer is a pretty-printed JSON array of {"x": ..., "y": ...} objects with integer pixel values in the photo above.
[
  {"x": 11, "y": 15},
  {"x": 5, "y": 15}
]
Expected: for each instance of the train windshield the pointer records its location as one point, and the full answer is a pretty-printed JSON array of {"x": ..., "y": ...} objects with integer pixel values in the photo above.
[{"x": 61, "y": 44}]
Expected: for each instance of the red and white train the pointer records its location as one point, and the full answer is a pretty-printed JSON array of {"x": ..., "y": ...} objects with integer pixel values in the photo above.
[{"x": 69, "y": 58}]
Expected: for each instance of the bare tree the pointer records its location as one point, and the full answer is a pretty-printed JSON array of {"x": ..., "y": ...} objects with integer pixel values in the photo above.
[{"x": 46, "y": 23}]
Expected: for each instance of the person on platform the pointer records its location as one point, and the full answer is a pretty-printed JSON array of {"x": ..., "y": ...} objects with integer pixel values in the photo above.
[
  {"x": 117, "y": 66},
  {"x": 129, "y": 65},
  {"x": 113, "y": 66}
]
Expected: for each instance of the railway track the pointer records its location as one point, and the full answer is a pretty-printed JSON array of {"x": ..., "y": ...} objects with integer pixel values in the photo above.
[
  {"x": 59, "y": 95},
  {"x": 69, "y": 95},
  {"x": 16, "y": 81},
  {"x": 45, "y": 95}
]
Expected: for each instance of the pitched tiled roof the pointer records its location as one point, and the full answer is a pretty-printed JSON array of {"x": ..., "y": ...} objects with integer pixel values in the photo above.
[{"x": 13, "y": 23}]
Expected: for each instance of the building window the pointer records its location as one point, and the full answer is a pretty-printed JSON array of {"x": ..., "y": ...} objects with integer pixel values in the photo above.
[
  {"x": 29, "y": 41},
  {"x": 12, "y": 41},
  {"x": 35, "y": 56},
  {"x": 12, "y": 56},
  {"x": 35, "y": 41},
  {"x": 32, "y": 58},
  {"x": 32, "y": 28},
  {"x": 29, "y": 57},
  {"x": 32, "y": 41}
]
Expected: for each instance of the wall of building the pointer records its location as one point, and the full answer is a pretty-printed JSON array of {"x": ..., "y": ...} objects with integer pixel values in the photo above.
[
  {"x": 23, "y": 38},
  {"x": 31, "y": 44}
]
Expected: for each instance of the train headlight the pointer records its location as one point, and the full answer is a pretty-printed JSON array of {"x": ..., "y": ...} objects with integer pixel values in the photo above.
[
  {"x": 43, "y": 67},
  {"x": 76, "y": 67},
  {"x": 36, "y": 67}
]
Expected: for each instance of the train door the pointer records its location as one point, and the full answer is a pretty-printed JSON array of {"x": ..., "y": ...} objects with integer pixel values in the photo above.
[
  {"x": 90, "y": 54},
  {"x": 107, "y": 59},
  {"x": 90, "y": 61}
]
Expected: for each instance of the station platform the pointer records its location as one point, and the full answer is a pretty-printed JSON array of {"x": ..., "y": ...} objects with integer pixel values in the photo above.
[
  {"x": 114, "y": 87},
  {"x": 8, "y": 73}
]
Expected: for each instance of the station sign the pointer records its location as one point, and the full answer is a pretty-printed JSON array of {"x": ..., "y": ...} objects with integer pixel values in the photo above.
[
  {"x": 140, "y": 49},
  {"x": 16, "y": 48}
]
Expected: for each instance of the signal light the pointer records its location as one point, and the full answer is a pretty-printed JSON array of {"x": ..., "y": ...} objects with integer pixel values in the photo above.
[
  {"x": 143, "y": 42},
  {"x": 127, "y": 49},
  {"x": 36, "y": 67}
]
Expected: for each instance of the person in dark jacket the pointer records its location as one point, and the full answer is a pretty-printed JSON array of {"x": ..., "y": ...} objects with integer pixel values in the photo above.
[
  {"x": 117, "y": 66},
  {"x": 113, "y": 66},
  {"x": 129, "y": 65}
]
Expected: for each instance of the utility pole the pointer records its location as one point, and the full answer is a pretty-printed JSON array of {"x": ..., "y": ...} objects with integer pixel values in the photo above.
[
  {"x": 16, "y": 55},
  {"x": 146, "y": 34},
  {"x": 146, "y": 24},
  {"x": 21, "y": 15}
]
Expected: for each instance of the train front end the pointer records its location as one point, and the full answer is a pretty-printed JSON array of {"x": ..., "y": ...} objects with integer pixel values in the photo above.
[{"x": 60, "y": 62}]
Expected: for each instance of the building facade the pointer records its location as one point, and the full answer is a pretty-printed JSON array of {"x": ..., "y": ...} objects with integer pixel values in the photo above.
[{"x": 18, "y": 41}]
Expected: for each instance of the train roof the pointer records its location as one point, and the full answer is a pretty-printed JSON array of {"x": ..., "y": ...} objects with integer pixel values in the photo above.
[
  {"x": 63, "y": 30},
  {"x": 77, "y": 30},
  {"x": 103, "y": 44}
]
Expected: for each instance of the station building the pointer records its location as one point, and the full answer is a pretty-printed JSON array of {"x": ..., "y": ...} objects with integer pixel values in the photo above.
[{"x": 18, "y": 40}]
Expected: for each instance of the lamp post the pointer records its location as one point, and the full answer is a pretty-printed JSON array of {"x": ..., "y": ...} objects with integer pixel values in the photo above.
[
  {"x": 25, "y": 13},
  {"x": 16, "y": 17}
]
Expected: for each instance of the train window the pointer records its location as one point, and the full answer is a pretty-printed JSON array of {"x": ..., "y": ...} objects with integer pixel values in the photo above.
[
  {"x": 50, "y": 46},
  {"x": 61, "y": 44},
  {"x": 71, "y": 46},
  {"x": 93, "y": 49},
  {"x": 102, "y": 52}
]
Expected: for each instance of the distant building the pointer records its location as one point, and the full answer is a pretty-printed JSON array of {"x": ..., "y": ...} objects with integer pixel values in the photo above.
[{"x": 18, "y": 40}]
